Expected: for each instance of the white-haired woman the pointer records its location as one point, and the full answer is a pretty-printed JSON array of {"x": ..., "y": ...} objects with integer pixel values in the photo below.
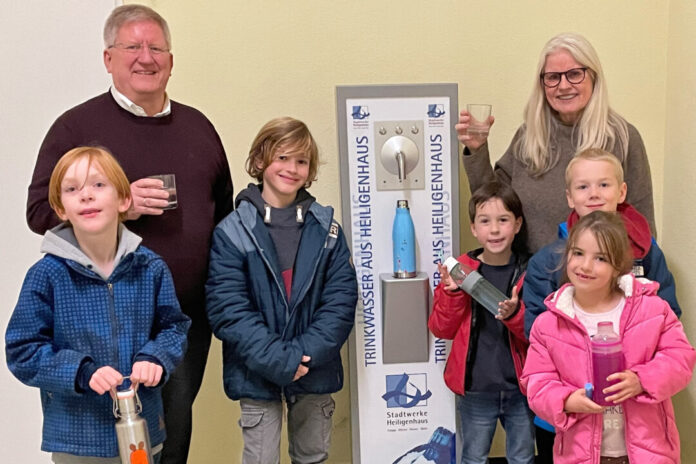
[{"x": 567, "y": 112}]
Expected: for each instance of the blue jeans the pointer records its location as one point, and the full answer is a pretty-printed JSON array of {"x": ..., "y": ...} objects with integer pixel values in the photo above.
[{"x": 477, "y": 416}]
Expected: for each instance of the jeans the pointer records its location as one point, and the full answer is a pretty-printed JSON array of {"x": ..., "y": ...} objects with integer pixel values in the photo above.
[
  {"x": 477, "y": 416},
  {"x": 180, "y": 391}
]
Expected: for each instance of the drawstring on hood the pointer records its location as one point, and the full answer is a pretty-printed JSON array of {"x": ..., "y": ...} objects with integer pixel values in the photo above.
[
  {"x": 299, "y": 216},
  {"x": 284, "y": 225}
]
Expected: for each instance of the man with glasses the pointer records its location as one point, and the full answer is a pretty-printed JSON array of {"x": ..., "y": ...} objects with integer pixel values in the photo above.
[{"x": 150, "y": 134}]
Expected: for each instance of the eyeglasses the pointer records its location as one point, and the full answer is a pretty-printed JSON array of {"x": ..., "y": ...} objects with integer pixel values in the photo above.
[
  {"x": 137, "y": 48},
  {"x": 553, "y": 79}
]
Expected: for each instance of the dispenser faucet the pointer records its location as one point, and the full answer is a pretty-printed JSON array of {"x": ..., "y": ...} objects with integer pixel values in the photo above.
[{"x": 400, "y": 165}]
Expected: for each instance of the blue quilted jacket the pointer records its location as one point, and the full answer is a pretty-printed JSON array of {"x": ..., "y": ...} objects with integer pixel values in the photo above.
[
  {"x": 264, "y": 335},
  {"x": 68, "y": 313}
]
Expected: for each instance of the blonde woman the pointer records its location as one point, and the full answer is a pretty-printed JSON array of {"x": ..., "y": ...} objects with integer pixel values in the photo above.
[{"x": 567, "y": 112}]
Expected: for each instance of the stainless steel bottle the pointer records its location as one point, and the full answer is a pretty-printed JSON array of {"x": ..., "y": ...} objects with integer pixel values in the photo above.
[{"x": 131, "y": 429}]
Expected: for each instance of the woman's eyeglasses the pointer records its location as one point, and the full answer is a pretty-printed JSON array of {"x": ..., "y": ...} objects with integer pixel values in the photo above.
[{"x": 553, "y": 79}]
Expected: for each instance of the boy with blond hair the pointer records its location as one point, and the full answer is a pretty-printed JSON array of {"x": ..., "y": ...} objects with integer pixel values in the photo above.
[
  {"x": 281, "y": 296},
  {"x": 594, "y": 181},
  {"x": 97, "y": 307}
]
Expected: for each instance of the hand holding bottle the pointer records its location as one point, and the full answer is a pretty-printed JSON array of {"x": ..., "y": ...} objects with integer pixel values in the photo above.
[
  {"x": 147, "y": 373},
  {"x": 104, "y": 379},
  {"x": 579, "y": 402},
  {"x": 507, "y": 307},
  {"x": 626, "y": 387},
  {"x": 447, "y": 282},
  {"x": 475, "y": 285}
]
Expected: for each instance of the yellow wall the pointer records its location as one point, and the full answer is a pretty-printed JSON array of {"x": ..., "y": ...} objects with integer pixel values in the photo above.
[
  {"x": 244, "y": 62},
  {"x": 679, "y": 221}
]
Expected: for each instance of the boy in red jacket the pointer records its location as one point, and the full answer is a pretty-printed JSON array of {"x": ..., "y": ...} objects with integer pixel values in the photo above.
[{"x": 488, "y": 351}]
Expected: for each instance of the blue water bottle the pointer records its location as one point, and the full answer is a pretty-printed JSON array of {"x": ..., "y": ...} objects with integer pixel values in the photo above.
[{"x": 404, "y": 241}]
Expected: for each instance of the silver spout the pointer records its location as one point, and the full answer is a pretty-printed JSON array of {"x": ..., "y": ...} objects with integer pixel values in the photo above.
[{"x": 400, "y": 164}]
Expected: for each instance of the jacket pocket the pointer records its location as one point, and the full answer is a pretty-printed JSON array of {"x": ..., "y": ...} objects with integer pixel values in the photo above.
[
  {"x": 558, "y": 443},
  {"x": 669, "y": 436}
]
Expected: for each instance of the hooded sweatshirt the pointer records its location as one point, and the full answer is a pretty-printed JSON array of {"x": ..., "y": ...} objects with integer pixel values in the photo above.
[{"x": 283, "y": 224}]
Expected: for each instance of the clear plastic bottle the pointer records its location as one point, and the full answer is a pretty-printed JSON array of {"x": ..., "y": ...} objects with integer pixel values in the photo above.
[
  {"x": 475, "y": 285},
  {"x": 404, "y": 242},
  {"x": 131, "y": 429},
  {"x": 607, "y": 359}
]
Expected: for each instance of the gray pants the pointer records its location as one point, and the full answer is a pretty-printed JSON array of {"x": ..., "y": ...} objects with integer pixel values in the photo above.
[{"x": 309, "y": 429}]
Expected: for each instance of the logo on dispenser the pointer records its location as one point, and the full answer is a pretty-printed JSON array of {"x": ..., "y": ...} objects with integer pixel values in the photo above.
[
  {"x": 436, "y": 111},
  {"x": 407, "y": 390},
  {"x": 360, "y": 112}
]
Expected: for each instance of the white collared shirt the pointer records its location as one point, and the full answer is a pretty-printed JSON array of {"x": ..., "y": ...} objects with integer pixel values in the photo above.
[{"x": 125, "y": 103}]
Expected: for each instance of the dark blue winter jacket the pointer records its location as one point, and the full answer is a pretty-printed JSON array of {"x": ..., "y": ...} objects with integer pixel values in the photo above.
[
  {"x": 264, "y": 335},
  {"x": 68, "y": 314}
]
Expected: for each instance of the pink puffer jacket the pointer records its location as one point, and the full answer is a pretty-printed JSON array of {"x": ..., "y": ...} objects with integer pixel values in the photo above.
[{"x": 559, "y": 361}]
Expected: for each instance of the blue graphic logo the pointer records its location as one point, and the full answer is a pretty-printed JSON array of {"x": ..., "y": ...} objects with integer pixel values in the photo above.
[
  {"x": 436, "y": 111},
  {"x": 360, "y": 112},
  {"x": 440, "y": 449},
  {"x": 406, "y": 390}
]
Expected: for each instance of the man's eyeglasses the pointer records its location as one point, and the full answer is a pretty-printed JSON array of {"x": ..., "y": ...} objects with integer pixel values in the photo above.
[
  {"x": 553, "y": 79},
  {"x": 137, "y": 48}
]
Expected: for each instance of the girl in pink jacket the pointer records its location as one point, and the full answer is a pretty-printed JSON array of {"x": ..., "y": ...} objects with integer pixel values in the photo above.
[{"x": 639, "y": 427}]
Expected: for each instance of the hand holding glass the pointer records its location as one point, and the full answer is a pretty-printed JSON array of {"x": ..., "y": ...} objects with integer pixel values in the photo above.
[
  {"x": 478, "y": 119},
  {"x": 169, "y": 185}
]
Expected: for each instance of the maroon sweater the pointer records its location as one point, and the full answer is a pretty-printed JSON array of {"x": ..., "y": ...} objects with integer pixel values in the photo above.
[{"x": 184, "y": 143}]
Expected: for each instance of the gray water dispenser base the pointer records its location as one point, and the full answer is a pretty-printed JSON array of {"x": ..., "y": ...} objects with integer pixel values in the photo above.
[{"x": 405, "y": 308}]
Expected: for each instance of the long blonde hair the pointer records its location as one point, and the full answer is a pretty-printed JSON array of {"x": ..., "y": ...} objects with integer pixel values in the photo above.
[{"x": 598, "y": 127}]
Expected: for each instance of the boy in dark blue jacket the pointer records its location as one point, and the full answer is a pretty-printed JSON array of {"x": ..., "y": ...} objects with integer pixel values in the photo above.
[
  {"x": 594, "y": 181},
  {"x": 281, "y": 295},
  {"x": 96, "y": 307}
]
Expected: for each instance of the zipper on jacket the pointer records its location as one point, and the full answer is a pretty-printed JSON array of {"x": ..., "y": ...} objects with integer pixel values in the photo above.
[
  {"x": 260, "y": 249},
  {"x": 303, "y": 291},
  {"x": 114, "y": 324}
]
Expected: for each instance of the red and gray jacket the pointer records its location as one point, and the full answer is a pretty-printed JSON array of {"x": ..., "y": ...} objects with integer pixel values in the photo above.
[{"x": 453, "y": 318}]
